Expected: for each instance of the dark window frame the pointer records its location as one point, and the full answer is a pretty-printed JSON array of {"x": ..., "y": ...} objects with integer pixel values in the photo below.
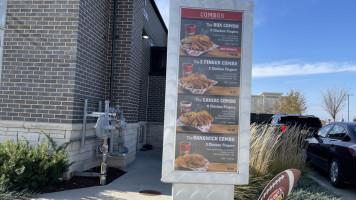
[{"x": 158, "y": 61}]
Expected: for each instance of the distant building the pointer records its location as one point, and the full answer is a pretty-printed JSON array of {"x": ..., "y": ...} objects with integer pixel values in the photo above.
[{"x": 264, "y": 102}]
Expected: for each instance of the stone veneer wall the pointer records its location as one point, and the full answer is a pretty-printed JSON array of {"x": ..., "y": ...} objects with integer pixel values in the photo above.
[
  {"x": 83, "y": 158},
  {"x": 129, "y": 137},
  {"x": 155, "y": 134}
]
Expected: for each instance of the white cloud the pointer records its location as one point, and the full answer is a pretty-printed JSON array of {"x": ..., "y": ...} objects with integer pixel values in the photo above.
[{"x": 295, "y": 68}]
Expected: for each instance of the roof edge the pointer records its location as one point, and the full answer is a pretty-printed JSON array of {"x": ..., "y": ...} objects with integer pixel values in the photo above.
[{"x": 153, "y": 3}]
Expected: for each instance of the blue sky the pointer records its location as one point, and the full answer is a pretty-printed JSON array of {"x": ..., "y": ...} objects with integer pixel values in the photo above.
[{"x": 306, "y": 45}]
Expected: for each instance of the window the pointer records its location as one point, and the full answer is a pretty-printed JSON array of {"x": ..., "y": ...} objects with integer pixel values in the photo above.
[
  {"x": 158, "y": 60},
  {"x": 3, "y": 9},
  {"x": 337, "y": 132},
  {"x": 302, "y": 121},
  {"x": 322, "y": 132}
]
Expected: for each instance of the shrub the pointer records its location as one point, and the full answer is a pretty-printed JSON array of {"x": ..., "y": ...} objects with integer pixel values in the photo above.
[{"x": 26, "y": 167}]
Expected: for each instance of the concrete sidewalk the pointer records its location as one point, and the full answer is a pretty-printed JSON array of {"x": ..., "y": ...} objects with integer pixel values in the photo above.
[{"x": 144, "y": 174}]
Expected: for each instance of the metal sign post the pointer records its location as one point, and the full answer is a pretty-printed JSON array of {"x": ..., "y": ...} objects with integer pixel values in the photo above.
[{"x": 208, "y": 97}]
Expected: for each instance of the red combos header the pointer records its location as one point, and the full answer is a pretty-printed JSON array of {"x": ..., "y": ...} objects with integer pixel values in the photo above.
[{"x": 211, "y": 14}]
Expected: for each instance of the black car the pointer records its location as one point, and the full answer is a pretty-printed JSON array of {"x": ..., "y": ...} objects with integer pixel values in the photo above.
[
  {"x": 307, "y": 123},
  {"x": 333, "y": 149}
]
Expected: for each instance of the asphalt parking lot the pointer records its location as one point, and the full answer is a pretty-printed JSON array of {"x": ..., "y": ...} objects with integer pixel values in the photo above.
[{"x": 348, "y": 192}]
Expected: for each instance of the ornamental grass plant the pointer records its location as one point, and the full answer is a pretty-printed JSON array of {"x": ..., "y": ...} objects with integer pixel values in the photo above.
[{"x": 271, "y": 152}]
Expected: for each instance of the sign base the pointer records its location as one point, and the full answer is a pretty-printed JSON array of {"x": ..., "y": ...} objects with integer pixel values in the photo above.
[{"x": 202, "y": 192}]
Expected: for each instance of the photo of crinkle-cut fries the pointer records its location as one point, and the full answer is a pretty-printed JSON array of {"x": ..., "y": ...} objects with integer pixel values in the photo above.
[
  {"x": 201, "y": 118},
  {"x": 197, "y": 43},
  {"x": 196, "y": 81}
]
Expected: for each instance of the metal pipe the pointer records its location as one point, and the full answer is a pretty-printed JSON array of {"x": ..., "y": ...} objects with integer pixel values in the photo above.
[
  {"x": 348, "y": 106},
  {"x": 111, "y": 142},
  {"x": 113, "y": 51},
  {"x": 104, "y": 150},
  {"x": 80, "y": 138},
  {"x": 84, "y": 123},
  {"x": 100, "y": 105},
  {"x": 107, "y": 109}
]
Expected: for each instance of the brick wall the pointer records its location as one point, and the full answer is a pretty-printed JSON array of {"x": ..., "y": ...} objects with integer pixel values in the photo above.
[
  {"x": 39, "y": 61},
  {"x": 122, "y": 53},
  {"x": 156, "y": 98},
  {"x": 56, "y": 52},
  {"x": 93, "y": 64},
  {"x": 131, "y": 72}
]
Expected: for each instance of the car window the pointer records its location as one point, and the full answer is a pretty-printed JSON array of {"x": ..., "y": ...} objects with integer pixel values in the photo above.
[
  {"x": 353, "y": 129},
  {"x": 337, "y": 132},
  {"x": 323, "y": 131},
  {"x": 304, "y": 122},
  {"x": 274, "y": 120}
]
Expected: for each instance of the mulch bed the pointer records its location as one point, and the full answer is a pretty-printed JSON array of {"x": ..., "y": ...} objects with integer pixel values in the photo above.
[{"x": 77, "y": 182}]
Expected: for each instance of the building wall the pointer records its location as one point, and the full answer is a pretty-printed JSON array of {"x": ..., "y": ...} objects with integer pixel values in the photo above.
[
  {"x": 155, "y": 134},
  {"x": 156, "y": 98},
  {"x": 93, "y": 64},
  {"x": 264, "y": 102},
  {"x": 131, "y": 73},
  {"x": 39, "y": 60},
  {"x": 122, "y": 53},
  {"x": 58, "y": 53}
]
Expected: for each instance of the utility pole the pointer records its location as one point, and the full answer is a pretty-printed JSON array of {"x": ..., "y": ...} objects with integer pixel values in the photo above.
[{"x": 348, "y": 106}]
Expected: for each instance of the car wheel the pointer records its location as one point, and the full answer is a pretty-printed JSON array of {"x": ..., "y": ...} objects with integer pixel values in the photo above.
[{"x": 334, "y": 173}]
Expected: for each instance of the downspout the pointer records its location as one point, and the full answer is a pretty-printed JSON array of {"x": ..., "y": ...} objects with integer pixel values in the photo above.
[
  {"x": 113, "y": 52},
  {"x": 3, "y": 9}
]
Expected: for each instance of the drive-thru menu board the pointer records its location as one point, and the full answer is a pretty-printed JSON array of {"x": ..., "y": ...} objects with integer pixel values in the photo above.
[{"x": 207, "y": 121}]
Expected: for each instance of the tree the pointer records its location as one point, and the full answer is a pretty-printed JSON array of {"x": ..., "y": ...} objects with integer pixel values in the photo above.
[
  {"x": 293, "y": 103},
  {"x": 333, "y": 100}
]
